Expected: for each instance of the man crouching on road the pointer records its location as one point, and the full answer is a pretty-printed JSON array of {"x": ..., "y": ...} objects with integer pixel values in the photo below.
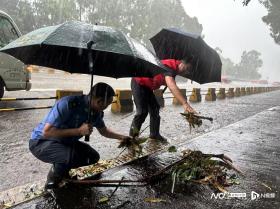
[{"x": 56, "y": 139}]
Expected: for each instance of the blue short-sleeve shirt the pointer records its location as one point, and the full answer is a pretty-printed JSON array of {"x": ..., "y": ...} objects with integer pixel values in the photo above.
[{"x": 69, "y": 112}]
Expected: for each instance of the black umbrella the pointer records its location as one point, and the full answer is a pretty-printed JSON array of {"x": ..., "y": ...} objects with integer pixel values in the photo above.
[
  {"x": 175, "y": 44},
  {"x": 65, "y": 47},
  {"x": 78, "y": 47}
]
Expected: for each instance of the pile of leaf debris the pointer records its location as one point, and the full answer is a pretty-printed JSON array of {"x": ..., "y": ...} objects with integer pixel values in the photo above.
[
  {"x": 91, "y": 170},
  {"x": 208, "y": 169}
]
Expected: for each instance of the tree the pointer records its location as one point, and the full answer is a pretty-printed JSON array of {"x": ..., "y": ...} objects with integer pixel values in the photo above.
[
  {"x": 139, "y": 19},
  {"x": 249, "y": 66},
  {"x": 53, "y": 12},
  {"x": 82, "y": 7},
  {"x": 272, "y": 19},
  {"x": 142, "y": 19},
  {"x": 228, "y": 66},
  {"x": 21, "y": 12}
]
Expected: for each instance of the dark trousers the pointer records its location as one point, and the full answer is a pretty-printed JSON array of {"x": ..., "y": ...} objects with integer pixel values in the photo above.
[
  {"x": 63, "y": 155},
  {"x": 145, "y": 102}
]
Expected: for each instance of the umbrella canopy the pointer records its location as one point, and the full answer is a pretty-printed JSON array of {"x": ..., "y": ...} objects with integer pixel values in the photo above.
[
  {"x": 175, "y": 44},
  {"x": 65, "y": 47}
]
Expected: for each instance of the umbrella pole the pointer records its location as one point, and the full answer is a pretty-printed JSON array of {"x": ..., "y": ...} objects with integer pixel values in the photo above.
[{"x": 90, "y": 62}]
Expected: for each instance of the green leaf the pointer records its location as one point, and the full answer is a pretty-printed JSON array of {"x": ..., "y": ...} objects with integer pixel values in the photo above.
[
  {"x": 103, "y": 200},
  {"x": 172, "y": 149},
  {"x": 141, "y": 140}
]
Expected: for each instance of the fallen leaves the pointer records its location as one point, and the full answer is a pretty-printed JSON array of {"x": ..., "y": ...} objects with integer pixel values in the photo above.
[
  {"x": 103, "y": 200},
  {"x": 203, "y": 169},
  {"x": 90, "y": 170},
  {"x": 172, "y": 149}
]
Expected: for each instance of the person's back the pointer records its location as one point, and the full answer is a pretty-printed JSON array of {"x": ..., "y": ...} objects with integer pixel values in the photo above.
[
  {"x": 159, "y": 80},
  {"x": 68, "y": 112}
]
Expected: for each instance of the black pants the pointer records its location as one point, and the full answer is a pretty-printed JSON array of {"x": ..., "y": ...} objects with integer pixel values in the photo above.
[
  {"x": 63, "y": 155},
  {"x": 145, "y": 102}
]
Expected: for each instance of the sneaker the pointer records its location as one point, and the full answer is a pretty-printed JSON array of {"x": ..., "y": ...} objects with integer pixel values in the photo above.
[
  {"x": 53, "y": 180},
  {"x": 159, "y": 138}
]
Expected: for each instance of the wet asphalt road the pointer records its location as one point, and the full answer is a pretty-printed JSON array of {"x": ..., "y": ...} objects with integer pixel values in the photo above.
[
  {"x": 252, "y": 143},
  {"x": 19, "y": 167}
]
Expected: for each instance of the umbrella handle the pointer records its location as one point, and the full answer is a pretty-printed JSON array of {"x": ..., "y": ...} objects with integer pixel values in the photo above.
[
  {"x": 89, "y": 45},
  {"x": 86, "y": 138}
]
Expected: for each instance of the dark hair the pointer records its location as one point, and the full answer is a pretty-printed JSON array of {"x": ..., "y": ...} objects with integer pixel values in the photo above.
[
  {"x": 189, "y": 59},
  {"x": 102, "y": 90}
]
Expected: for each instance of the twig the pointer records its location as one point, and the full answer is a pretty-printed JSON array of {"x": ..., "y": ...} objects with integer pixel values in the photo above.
[
  {"x": 173, "y": 182},
  {"x": 233, "y": 167},
  {"x": 121, "y": 152},
  {"x": 108, "y": 181},
  {"x": 123, "y": 204},
  {"x": 115, "y": 189},
  {"x": 144, "y": 129},
  {"x": 220, "y": 156}
]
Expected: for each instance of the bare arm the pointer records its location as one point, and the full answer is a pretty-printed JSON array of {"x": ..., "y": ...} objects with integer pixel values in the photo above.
[
  {"x": 50, "y": 131},
  {"x": 170, "y": 82},
  {"x": 106, "y": 132}
]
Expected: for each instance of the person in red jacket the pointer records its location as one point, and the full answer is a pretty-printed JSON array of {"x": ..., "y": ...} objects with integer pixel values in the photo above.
[{"x": 145, "y": 100}]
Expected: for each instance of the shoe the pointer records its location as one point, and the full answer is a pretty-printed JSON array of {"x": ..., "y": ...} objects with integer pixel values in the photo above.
[
  {"x": 159, "y": 138},
  {"x": 53, "y": 180}
]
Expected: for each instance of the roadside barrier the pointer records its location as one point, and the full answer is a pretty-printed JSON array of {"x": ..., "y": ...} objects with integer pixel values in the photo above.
[
  {"x": 23, "y": 99},
  {"x": 237, "y": 92},
  {"x": 211, "y": 95},
  {"x": 243, "y": 91},
  {"x": 25, "y": 108},
  {"x": 59, "y": 94},
  {"x": 195, "y": 96},
  {"x": 175, "y": 101},
  {"x": 123, "y": 102},
  {"x": 230, "y": 93},
  {"x": 248, "y": 90},
  {"x": 50, "y": 71},
  {"x": 221, "y": 94},
  {"x": 255, "y": 90},
  {"x": 63, "y": 93},
  {"x": 267, "y": 89},
  {"x": 33, "y": 69},
  {"x": 159, "y": 96}
]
